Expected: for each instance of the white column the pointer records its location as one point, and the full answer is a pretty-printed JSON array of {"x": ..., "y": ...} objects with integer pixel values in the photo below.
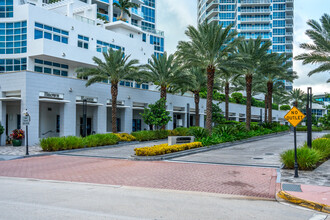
[
  {"x": 30, "y": 102},
  {"x": 128, "y": 117},
  {"x": 69, "y": 10},
  {"x": 101, "y": 119},
  {"x": 68, "y": 116}
]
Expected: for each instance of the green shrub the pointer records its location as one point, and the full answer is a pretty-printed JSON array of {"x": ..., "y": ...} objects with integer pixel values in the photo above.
[
  {"x": 181, "y": 131},
  {"x": 198, "y": 132},
  {"x": 238, "y": 97},
  {"x": 211, "y": 140},
  {"x": 285, "y": 107},
  {"x": 304, "y": 128},
  {"x": 61, "y": 143},
  {"x": 101, "y": 140},
  {"x": 323, "y": 146},
  {"x": 326, "y": 136},
  {"x": 224, "y": 129},
  {"x": 307, "y": 158},
  {"x": 150, "y": 135}
]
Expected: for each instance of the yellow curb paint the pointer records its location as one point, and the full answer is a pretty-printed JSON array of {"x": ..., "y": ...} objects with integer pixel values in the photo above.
[{"x": 305, "y": 203}]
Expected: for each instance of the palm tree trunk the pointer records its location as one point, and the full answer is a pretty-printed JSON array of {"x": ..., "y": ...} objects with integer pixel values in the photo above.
[
  {"x": 197, "y": 108},
  {"x": 163, "y": 92},
  {"x": 270, "y": 104},
  {"x": 210, "y": 83},
  {"x": 266, "y": 107},
  {"x": 227, "y": 101},
  {"x": 248, "y": 79},
  {"x": 114, "y": 94}
]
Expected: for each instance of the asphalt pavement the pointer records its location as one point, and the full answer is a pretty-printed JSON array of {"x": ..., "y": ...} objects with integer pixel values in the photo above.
[{"x": 38, "y": 199}]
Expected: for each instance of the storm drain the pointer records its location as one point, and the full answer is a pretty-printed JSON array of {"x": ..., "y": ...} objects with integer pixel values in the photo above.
[
  {"x": 269, "y": 154},
  {"x": 291, "y": 187},
  {"x": 258, "y": 158}
]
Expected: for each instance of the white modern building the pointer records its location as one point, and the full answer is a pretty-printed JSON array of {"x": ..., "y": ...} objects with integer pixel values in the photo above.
[
  {"x": 42, "y": 44},
  {"x": 270, "y": 19}
]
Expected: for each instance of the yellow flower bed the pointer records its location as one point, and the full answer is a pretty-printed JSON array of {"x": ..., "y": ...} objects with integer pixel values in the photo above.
[
  {"x": 125, "y": 137},
  {"x": 165, "y": 149}
]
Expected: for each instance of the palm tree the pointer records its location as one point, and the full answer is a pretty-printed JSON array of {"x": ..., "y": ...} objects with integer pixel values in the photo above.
[
  {"x": 208, "y": 46},
  {"x": 298, "y": 97},
  {"x": 164, "y": 71},
  {"x": 319, "y": 51},
  {"x": 228, "y": 76},
  {"x": 115, "y": 67},
  {"x": 274, "y": 68},
  {"x": 124, "y": 6},
  {"x": 253, "y": 53},
  {"x": 197, "y": 80}
]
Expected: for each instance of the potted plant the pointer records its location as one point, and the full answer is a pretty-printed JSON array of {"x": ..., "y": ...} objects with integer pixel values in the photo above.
[{"x": 17, "y": 135}]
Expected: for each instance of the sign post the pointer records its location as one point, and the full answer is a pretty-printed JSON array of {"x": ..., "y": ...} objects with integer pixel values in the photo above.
[
  {"x": 309, "y": 116},
  {"x": 26, "y": 121},
  {"x": 294, "y": 116}
]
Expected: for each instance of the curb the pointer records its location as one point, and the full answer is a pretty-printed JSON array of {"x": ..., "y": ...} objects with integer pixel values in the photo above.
[
  {"x": 305, "y": 203},
  {"x": 204, "y": 149}
]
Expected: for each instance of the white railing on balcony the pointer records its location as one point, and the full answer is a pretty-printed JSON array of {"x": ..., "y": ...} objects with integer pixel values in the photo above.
[
  {"x": 255, "y": 2},
  {"x": 255, "y": 10},
  {"x": 137, "y": 12},
  {"x": 255, "y": 28},
  {"x": 150, "y": 30},
  {"x": 255, "y": 19},
  {"x": 84, "y": 19}
]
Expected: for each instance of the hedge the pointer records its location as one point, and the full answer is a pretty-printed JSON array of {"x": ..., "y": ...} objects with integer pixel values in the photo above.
[
  {"x": 165, "y": 149},
  {"x": 73, "y": 142},
  {"x": 304, "y": 128},
  {"x": 308, "y": 158}
]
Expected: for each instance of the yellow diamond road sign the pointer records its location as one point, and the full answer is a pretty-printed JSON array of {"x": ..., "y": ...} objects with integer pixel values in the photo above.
[{"x": 294, "y": 116}]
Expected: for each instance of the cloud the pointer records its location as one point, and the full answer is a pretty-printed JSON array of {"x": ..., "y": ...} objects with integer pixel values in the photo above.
[{"x": 174, "y": 17}]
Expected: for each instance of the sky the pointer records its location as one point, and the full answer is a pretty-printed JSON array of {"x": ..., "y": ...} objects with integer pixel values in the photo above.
[{"x": 174, "y": 16}]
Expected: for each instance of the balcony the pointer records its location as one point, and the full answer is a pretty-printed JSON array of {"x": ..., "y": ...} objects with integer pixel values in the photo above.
[
  {"x": 252, "y": 11},
  {"x": 252, "y": 2},
  {"x": 289, "y": 9},
  {"x": 137, "y": 13},
  {"x": 84, "y": 19},
  {"x": 255, "y": 28},
  {"x": 103, "y": 16},
  {"x": 243, "y": 20},
  {"x": 150, "y": 30},
  {"x": 288, "y": 17}
]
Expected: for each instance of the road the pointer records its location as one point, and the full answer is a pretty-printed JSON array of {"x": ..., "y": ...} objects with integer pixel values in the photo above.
[
  {"x": 40, "y": 199},
  {"x": 258, "y": 153}
]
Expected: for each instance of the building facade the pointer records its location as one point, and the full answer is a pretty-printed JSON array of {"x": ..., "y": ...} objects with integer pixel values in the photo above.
[
  {"x": 270, "y": 19},
  {"x": 41, "y": 46}
]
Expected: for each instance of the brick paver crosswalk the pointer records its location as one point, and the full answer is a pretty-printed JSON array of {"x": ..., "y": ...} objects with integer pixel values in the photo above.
[{"x": 247, "y": 181}]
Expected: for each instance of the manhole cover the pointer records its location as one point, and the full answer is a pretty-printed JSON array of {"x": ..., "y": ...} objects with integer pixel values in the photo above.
[
  {"x": 258, "y": 158},
  {"x": 269, "y": 154}
]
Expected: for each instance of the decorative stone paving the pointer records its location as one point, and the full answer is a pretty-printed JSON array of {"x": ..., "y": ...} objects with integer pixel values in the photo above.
[
  {"x": 319, "y": 177},
  {"x": 247, "y": 181},
  {"x": 20, "y": 151}
]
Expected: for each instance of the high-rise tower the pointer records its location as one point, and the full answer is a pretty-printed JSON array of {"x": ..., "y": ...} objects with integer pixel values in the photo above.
[{"x": 270, "y": 19}]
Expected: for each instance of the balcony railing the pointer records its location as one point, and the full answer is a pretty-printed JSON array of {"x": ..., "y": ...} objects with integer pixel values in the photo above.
[
  {"x": 137, "y": 12},
  {"x": 255, "y": 19},
  {"x": 255, "y": 10},
  {"x": 255, "y": 28},
  {"x": 84, "y": 19},
  {"x": 150, "y": 30},
  {"x": 255, "y": 2}
]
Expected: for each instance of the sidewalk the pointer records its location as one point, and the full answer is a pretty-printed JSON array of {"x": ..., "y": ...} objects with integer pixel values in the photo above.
[
  {"x": 311, "y": 189},
  {"x": 313, "y": 197}
]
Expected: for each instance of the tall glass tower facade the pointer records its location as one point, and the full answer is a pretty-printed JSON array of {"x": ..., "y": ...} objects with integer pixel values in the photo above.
[
  {"x": 270, "y": 19},
  {"x": 149, "y": 24}
]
